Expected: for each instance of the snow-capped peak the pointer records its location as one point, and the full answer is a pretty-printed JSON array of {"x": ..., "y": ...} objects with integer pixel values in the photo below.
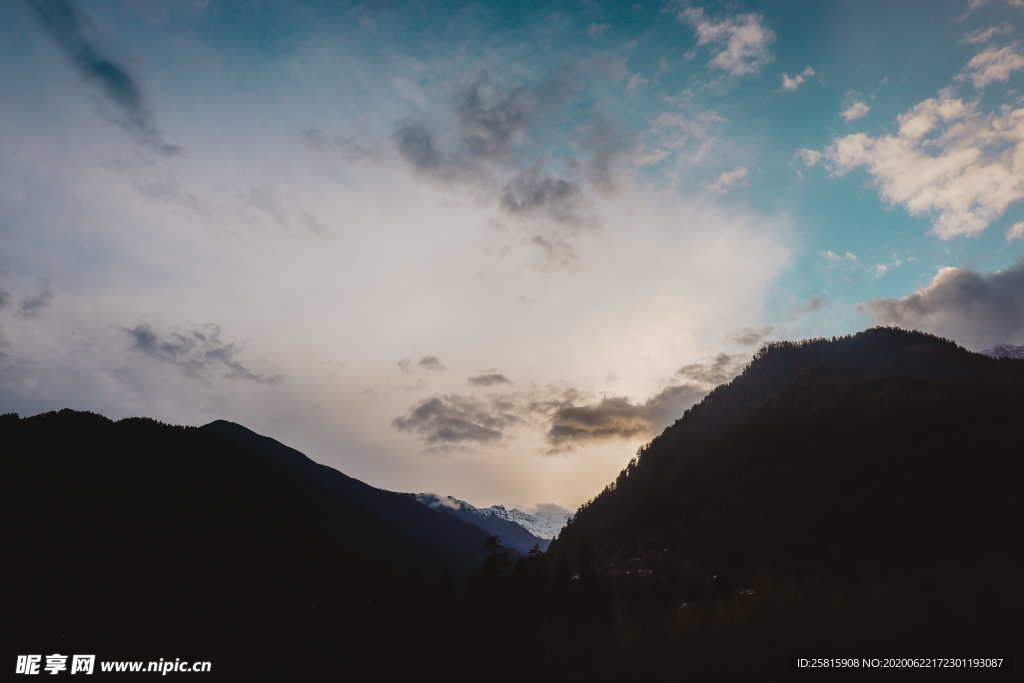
[
  {"x": 1006, "y": 351},
  {"x": 545, "y": 521}
]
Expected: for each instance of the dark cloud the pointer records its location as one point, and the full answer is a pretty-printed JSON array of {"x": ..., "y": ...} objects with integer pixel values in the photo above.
[
  {"x": 619, "y": 418},
  {"x": 604, "y": 146},
  {"x": 34, "y": 305},
  {"x": 415, "y": 142},
  {"x": 453, "y": 420},
  {"x": 431, "y": 363},
  {"x": 489, "y": 121},
  {"x": 531, "y": 192},
  {"x": 319, "y": 141},
  {"x": 815, "y": 303},
  {"x": 491, "y": 117},
  {"x": 722, "y": 369},
  {"x": 5, "y": 298},
  {"x": 199, "y": 352},
  {"x": 753, "y": 335},
  {"x": 489, "y": 379},
  {"x": 69, "y": 30},
  {"x": 978, "y": 310},
  {"x": 405, "y": 365}
]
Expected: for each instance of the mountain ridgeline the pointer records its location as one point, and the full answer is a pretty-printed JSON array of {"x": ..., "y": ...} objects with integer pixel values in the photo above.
[
  {"x": 861, "y": 491},
  {"x": 852, "y": 495},
  {"x": 517, "y": 530}
]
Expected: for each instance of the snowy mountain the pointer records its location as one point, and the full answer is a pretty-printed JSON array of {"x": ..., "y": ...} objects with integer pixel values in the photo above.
[
  {"x": 1006, "y": 351},
  {"x": 516, "y": 529},
  {"x": 545, "y": 522}
]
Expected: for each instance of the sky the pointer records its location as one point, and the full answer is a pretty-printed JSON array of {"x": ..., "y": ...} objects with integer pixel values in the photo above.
[{"x": 489, "y": 249}]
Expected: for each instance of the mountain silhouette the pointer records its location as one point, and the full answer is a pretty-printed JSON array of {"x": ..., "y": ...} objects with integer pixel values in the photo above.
[
  {"x": 879, "y": 473},
  {"x": 847, "y": 496},
  {"x": 140, "y": 539}
]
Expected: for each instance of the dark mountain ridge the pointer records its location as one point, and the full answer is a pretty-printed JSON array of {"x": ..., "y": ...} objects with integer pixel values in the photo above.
[
  {"x": 879, "y": 471},
  {"x": 136, "y": 539}
]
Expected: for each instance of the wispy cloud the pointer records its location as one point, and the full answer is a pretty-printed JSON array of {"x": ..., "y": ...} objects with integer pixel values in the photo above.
[
  {"x": 992, "y": 66},
  {"x": 855, "y": 111},
  {"x": 983, "y": 35},
  {"x": 200, "y": 352},
  {"x": 69, "y": 30},
  {"x": 728, "y": 180},
  {"x": 791, "y": 83},
  {"x": 489, "y": 379},
  {"x": 739, "y": 44}
]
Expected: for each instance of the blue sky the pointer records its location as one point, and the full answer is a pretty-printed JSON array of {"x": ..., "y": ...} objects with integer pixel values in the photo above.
[{"x": 488, "y": 249}]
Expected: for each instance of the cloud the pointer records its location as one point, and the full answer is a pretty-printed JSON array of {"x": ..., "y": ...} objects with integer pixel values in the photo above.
[
  {"x": 815, "y": 303},
  {"x": 810, "y": 157},
  {"x": 855, "y": 111},
  {"x": 722, "y": 369},
  {"x": 983, "y": 35},
  {"x": 792, "y": 83},
  {"x": 883, "y": 268},
  {"x": 975, "y": 4},
  {"x": 978, "y": 310},
  {"x": 492, "y": 117},
  {"x": 597, "y": 30},
  {"x": 673, "y": 131},
  {"x": 728, "y": 180},
  {"x": 198, "y": 352},
  {"x": 753, "y": 335},
  {"x": 531, "y": 192},
  {"x": 319, "y": 141},
  {"x": 69, "y": 29},
  {"x": 992, "y": 66},
  {"x": 430, "y": 363},
  {"x": 947, "y": 159},
  {"x": 489, "y": 379},
  {"x": 1016, "y": 231},
  {"x": 618, "y": 418},
  {"x": 636, "y": 80},
  {"x": 5, "y": 298},
  {"x": 416, "y": 144},
  {"x": 833, "y": 257},
  {"x": 453, "y": 420},
  {"x": 34, "y": 305},
  {"x": 740, "y": 42}
]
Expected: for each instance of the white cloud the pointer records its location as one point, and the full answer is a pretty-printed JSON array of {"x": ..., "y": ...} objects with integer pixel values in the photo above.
[
  {"x": 792, "y": 83},
  {"x": 883, "y": 268},
  {"x": 740, "y": 42},
  {"x": 726, "y": 181},
  {"x": 975, "y": 4},
  {"x": 1016, "y": 232},
  {"x": 833, "y": 257},
  {"x": 673, "y": 131},
  {"x": 635, "y": 81},
  {"x": 983, "y": 35},
  {"x": 810, "y": 157},
  {"x": 992, "y": 65},
  {"x": 948, "y": 159},
  {"x": 597, "y": 30},
  {"x": 856, "y": 111}
]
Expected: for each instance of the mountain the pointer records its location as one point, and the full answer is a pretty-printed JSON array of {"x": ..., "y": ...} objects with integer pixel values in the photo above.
[
  {"x": 446, "y": 545},
  {"x": 515, "y": 529},
  {"x": 855, "y": 490},
  {"x": 1006, "y": 351},
  {"x": 545, "y": 522},
  {"x": 136, "y": 539}
]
